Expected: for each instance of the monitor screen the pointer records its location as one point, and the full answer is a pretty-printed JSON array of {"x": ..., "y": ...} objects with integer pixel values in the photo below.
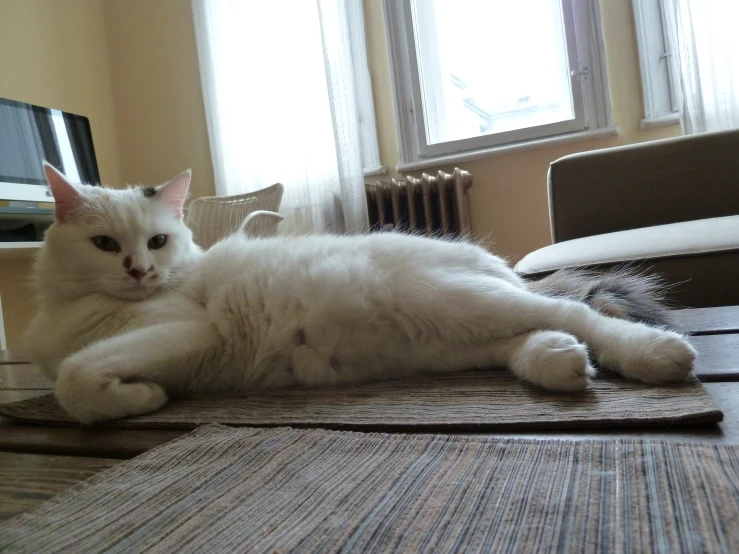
[{"x": 30, "y": 134}]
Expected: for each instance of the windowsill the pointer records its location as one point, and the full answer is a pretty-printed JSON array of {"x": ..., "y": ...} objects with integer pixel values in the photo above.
[
  {"x": 507, "y": 149},
  {"x": 381, "y": 170},
  {"x": 663, "y": 121}
]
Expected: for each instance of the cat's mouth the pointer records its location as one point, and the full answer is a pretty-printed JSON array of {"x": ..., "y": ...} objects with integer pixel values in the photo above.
[
  {"x": 140, "y": 294},
  {"x": 139, "y": 291}
]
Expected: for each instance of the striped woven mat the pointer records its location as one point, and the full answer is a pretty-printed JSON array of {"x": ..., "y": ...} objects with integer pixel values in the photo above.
[
  {"x": 473, "y": 401},
  {"x": 224, "y": 489}
]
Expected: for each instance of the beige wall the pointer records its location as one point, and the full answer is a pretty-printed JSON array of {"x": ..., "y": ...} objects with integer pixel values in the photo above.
[
  {"x": 54, "y": 54},
  {"x": 158, "y": 99},
  {"x": 509, "y": 197}
]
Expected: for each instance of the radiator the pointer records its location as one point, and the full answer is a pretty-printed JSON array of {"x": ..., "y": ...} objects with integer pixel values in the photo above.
[{"x": 432, "y": 205}]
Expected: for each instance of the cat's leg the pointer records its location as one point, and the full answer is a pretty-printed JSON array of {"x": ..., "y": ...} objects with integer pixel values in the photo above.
[
  {"x": 476, "y": 310},
  {"x": 634, "y": 350},
  {"x": 553, "y": 360},
  {"x": 129, "y": 374}
]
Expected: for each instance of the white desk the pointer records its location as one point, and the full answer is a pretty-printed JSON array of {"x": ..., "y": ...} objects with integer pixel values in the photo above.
[{"x": 18, "y": 250}]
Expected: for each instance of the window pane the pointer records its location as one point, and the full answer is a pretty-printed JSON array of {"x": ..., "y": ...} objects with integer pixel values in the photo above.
[{"x": 490, "y": 66}]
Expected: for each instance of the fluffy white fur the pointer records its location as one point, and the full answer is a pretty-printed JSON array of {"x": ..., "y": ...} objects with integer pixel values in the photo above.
[{"x": 280, "y": 312}]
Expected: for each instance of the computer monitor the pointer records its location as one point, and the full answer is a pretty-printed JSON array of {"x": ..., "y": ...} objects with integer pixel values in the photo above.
[{"x": 30, "y": 134}]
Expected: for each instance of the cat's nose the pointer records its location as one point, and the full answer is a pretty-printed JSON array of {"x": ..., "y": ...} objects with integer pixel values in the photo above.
[{"x": 138, "y": 273}]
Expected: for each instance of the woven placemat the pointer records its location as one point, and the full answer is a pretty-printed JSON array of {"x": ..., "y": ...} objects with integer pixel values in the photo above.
[
  {"x": 224, "y": 489},
  {"x": 472, "y": 401}
]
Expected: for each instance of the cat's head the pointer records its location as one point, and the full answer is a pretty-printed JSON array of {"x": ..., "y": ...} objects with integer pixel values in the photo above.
[{"x": 122, "y": 243}]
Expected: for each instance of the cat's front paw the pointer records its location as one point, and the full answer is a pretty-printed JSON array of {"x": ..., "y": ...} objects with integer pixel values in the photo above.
[{"x": 91, "y": 396}]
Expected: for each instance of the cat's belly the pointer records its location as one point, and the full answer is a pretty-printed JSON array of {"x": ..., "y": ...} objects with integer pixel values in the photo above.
[
  {"x": 340, "y": 332},
  {"x": 349, "y": 312}
]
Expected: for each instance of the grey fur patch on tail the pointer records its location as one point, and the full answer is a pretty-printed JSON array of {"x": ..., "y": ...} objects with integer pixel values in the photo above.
[{"x": 622, "y": 293}]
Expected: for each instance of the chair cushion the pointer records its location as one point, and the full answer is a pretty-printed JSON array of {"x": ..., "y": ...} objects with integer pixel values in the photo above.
[{"x": 688, "y": 238}]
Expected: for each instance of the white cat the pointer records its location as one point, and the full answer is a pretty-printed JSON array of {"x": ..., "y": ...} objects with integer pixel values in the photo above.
[{"x": 131, "y": 310}]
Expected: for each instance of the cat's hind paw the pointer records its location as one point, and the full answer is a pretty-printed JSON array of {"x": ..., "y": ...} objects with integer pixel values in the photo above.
[
  {"x": 555, "y": 361},
  {"x": 656, "y": 356}
]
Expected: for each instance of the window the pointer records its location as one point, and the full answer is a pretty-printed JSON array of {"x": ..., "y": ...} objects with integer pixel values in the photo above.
[
  {"x": 656, "y": 64},
  {"x": 472, "y": 76}
]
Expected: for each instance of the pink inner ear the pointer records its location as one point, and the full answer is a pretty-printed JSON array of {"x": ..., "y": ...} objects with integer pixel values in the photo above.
[
  {"x": 67, "y": 198},
  {"x": 174, "y": 193}
]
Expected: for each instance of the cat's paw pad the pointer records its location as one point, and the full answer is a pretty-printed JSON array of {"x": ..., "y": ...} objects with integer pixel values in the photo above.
[
  {"x": 557, "y": 362},
  {"x": 659, "y": 357},
  {"x": 143, "y": 397}
]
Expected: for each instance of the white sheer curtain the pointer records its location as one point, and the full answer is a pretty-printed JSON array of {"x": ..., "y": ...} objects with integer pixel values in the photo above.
[
  {"x": 281, "y": 106},
  {"x": 704, "y": 42}
]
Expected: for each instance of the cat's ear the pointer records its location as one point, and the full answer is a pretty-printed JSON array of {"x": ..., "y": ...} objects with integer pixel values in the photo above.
[
  {"x": 66, "y": 197},
  {"x": 174, "y": 193}
]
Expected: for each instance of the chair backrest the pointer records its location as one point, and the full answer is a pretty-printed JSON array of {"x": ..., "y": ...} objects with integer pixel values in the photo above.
[
  {"x": 640, "y": 185},
  {"x": 212, "y": 218}
]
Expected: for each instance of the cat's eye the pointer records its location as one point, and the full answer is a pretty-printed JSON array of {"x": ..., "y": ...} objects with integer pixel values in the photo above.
[
  {"x": 106, "y": 244},
  {"x": 157, "y": 241}
]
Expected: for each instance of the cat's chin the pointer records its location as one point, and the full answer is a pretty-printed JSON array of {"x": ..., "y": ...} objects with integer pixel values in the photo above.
[{"x": 134, "y": 294}]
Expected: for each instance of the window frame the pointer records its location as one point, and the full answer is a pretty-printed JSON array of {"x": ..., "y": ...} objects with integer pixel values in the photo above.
[
  {"x": 659, "y": 84},
  {"x": 591, "y": 97},
  {"x": 363, "y": 91}
]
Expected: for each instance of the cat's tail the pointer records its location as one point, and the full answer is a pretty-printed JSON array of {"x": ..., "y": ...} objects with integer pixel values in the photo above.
[
  {"x": 244, "y": 227},
  {"x": 623, "y": 293}
]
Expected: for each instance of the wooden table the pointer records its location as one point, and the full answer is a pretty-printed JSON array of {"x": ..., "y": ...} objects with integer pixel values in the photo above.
[{"x": 38, "y": 462}]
